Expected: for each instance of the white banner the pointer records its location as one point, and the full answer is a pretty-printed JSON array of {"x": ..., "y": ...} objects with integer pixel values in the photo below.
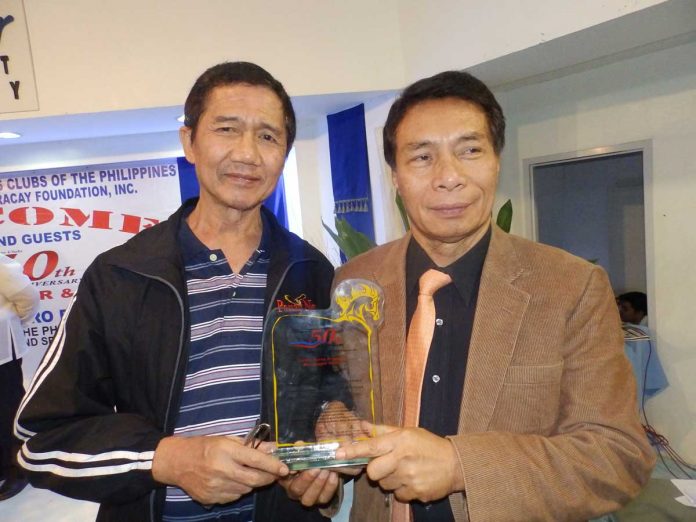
[{"x": 54, "y": 222}]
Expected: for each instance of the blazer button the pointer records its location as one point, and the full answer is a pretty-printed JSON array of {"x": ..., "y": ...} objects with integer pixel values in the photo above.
[{"x": 387, "y": 500}]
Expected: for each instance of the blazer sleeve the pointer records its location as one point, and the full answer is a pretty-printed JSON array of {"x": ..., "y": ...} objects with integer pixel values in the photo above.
[
  {"x": 76, "y": 442},
  {"x": 596, "y": 457}
]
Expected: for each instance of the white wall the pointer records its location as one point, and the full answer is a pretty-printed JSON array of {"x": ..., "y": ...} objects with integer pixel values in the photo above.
[
  {"x": 314, "y": 173},
  {"x": 92, "y": 56},
  {"x": 385, "y": 212},
  {"x": 456, "y": 34},
  {"x": 648, "y": 98}
]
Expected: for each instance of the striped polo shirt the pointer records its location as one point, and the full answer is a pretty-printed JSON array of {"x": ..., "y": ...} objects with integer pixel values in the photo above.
[{"x": 221, "y": 393}]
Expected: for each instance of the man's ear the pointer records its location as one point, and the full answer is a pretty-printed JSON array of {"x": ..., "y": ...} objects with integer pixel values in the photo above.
[
  {"x": 395, "y": 181},
  {"x": 186, "y": 139}
]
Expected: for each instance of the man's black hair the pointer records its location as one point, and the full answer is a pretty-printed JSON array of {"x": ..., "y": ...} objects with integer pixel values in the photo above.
[
  {"x": 448, "y": 84},
  {"x": 637, "y": 300},
  {"x": 230, "y": 73}
]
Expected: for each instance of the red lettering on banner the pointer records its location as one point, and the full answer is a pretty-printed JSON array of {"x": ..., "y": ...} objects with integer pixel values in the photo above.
[
  {"x": 132, "y": 224},
  {"x": 100, "y": 218},
  {"x": 75, "y": 217},
  {"x": 20, "y": 216},
  {"x": 51, "y": 263}
]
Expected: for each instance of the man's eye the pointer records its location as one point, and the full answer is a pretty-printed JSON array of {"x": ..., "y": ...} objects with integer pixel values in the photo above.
[
  {"x": 269, "y": 137},
  {"x": 421, "y": 158}
]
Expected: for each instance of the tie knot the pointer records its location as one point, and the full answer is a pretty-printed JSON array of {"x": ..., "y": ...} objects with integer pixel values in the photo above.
[{"x": 431, "y": 281}]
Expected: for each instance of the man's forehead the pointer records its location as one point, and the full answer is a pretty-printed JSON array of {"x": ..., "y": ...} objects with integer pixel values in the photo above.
[
  {"x": 447, "y": 104},
  {"x": 454, "y": 115},
  {"x": 239, "y": 91}
]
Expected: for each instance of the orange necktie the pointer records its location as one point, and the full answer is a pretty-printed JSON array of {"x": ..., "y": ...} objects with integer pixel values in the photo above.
[{"x": 420, "y": 335}]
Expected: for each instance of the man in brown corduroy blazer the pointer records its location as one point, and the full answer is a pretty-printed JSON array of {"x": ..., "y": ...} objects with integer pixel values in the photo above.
[{"x": 547, "y": 427}]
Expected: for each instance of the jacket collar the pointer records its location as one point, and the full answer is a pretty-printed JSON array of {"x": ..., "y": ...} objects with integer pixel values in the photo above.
[{"x": 155, "y": 251}]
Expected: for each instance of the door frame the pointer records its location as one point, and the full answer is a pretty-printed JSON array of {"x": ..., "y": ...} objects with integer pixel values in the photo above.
[{"x": 643, "y": 146}]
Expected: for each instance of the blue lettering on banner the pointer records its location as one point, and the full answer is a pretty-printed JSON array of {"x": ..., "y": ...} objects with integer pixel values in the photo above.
[
  {"x": 44, "y": 317},
  {"x": 51, "y": 237},
  {"x": 124, "y": 188},
  {"x": 127, "y": 174},
  {"x": 8, "y": 241},
  {"x": 71, "y": 193},
  {"x": 13, "y": 198},
  {"x": 26, "y": 182}
]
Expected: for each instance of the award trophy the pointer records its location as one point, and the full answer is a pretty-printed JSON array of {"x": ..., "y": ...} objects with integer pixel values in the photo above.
[{"x": 325, "y": 376}]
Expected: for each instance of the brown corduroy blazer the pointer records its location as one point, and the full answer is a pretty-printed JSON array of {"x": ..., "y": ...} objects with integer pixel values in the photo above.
[{"x": 548, "y": 427}]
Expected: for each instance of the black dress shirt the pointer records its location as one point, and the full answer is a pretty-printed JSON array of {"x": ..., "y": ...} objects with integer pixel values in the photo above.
[{"x": 443, "y": 382}]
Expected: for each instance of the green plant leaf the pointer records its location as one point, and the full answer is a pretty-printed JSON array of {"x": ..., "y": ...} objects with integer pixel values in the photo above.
[
  {"x": 350, "y": 241},
  {"x": 356, "y": 242},
  {"x": 504, "y": 219},
  {"x": 331, "y": 233},
  {"x": 402, "y": 211},
  {"x": 347, "y": 244}
]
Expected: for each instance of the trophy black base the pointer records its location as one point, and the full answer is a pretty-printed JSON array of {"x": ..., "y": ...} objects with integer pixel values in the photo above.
[{"x": 320, "y": 455}]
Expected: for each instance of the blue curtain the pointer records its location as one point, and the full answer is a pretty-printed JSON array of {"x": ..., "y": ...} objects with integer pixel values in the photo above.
[
  {"x": 188, "y": 185},
  {"x": 350, "y": 172}
]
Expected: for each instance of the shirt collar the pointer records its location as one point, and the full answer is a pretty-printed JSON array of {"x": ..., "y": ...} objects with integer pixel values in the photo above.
[
  {"x": 193, "y": 248},
  {"x": 465, "y": 271}
]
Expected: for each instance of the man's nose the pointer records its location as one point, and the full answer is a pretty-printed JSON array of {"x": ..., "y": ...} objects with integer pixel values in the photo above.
[
  {"x": 449, "y": 173},
  {"x": 246, "y": 148}
]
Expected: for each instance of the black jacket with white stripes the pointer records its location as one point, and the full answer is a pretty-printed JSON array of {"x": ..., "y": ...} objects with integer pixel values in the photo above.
[{"x": 109, "y": 386}]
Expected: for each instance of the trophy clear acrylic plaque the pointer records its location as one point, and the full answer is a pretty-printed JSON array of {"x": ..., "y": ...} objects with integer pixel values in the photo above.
[{"x": 325, "y": 375}]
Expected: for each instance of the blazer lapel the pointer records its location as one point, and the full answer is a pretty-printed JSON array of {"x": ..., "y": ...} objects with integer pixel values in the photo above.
[
  {"x": 499, "y": 312},
  {"x": 392, "y": 336}
]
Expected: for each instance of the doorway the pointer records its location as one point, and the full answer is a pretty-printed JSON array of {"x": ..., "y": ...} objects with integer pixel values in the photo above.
[{"x": 592, "y": 204}]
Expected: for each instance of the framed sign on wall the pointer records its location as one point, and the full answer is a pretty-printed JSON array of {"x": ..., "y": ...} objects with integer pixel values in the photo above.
[{"x": 17, "y": 83}]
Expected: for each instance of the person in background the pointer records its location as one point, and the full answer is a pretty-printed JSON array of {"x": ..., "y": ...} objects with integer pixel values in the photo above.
[
  {"x": 640, "y": 346},
  {"x": 505, "y": 390},
  {"x": 19, "y": 300},
  {"x": 633, "y": 308},
  {"x": 154, "y": 377}
]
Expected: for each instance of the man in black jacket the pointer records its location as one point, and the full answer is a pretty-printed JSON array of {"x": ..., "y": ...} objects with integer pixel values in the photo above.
[{"x": 111, "y": 415}]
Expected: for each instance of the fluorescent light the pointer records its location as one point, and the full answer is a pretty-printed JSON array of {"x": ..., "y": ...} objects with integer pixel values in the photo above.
[
  {"x": 9, "y": 135},
  {"x": 181, "y": 118}
]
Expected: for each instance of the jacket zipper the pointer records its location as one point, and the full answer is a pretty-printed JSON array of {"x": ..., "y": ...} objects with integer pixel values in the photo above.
[
  {"x": 263, "y": 342},
  {"x": 176, "y": 367}
]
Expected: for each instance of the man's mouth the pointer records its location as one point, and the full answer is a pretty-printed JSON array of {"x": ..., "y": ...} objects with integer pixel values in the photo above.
[
  {"x": 242, "y": 178},
  {"x": 450, "y": 209}
]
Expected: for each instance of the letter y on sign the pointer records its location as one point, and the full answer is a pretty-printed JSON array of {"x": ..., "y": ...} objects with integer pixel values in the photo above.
[{"x": 4, "y": 22}]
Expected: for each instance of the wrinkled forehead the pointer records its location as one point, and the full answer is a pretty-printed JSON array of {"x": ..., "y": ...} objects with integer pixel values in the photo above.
[
  {"x": 245, "y": 90},
  {"x": 442, "y": 115}
]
